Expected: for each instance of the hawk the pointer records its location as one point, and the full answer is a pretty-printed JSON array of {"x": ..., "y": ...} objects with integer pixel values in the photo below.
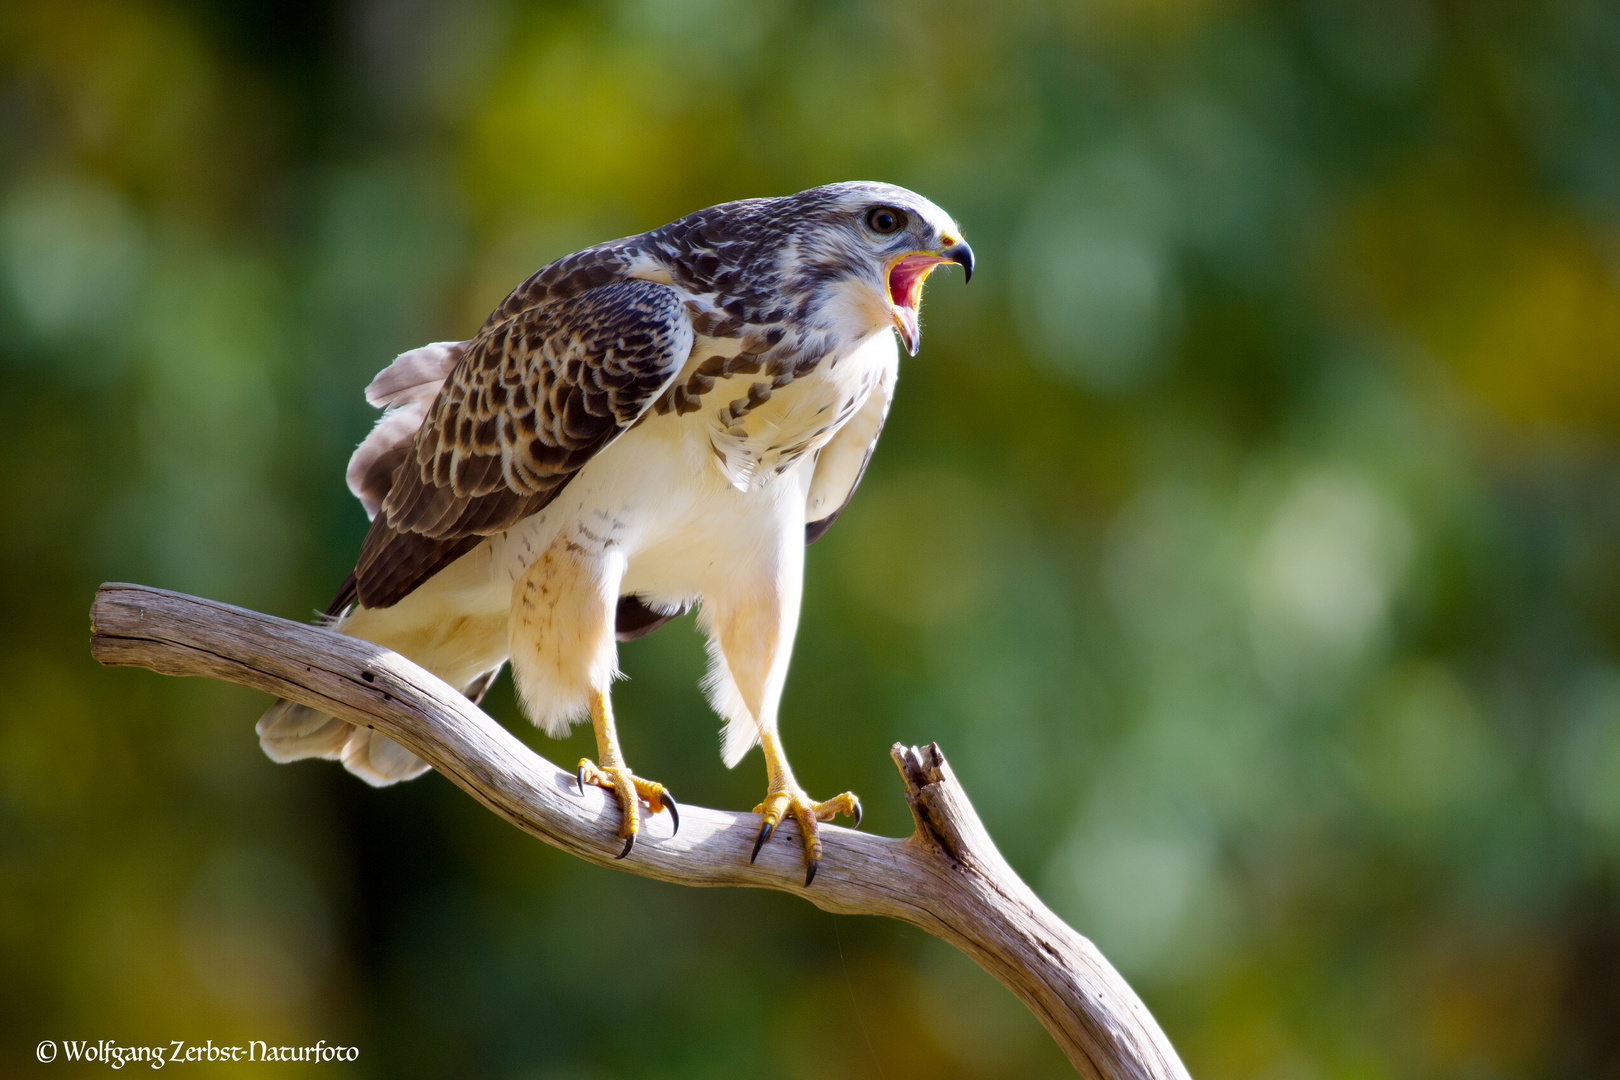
[{"x": 646, "y": 425}]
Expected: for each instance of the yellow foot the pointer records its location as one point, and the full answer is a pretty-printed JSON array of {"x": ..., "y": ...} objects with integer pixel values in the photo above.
[
  {"x": 779, "y": 804},
  {"x": 631, "y": 790}
]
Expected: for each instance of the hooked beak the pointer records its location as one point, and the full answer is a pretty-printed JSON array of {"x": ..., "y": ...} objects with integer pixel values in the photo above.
[{"x": 905, "y": 281}]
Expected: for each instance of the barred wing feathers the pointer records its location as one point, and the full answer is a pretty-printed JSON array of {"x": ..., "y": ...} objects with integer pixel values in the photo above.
[{"x": 532, "y": 398}]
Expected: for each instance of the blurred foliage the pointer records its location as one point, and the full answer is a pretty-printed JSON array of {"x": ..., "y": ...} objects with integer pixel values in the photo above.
[{"x": 1246, "y": 533}]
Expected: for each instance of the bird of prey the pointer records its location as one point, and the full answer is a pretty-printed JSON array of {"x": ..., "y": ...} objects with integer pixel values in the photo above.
[{"x": 643, "y": 426}]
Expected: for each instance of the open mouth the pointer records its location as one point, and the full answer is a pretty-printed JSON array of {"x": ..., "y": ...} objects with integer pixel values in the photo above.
[{"x": 906, "y": 279}]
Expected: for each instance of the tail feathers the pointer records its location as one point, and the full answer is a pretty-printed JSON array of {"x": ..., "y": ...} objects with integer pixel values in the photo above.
[
  {"x": 379, "y": 760},
  {"x": 292, "y": 732},
  {"x": 289, "y": 731}
]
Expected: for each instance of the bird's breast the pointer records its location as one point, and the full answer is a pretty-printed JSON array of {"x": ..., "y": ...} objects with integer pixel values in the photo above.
[{"x": 759, "y": 423}]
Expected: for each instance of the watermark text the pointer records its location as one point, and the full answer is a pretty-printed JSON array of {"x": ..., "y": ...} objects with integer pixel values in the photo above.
[{"x": 116, "y": 1055}]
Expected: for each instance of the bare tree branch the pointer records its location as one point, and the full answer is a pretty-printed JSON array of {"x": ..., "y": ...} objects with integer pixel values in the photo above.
[{"x": 947, "y": 877}]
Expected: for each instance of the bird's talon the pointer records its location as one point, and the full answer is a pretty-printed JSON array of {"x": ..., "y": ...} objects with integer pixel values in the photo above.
[
  {"x": 674, "y": 811},
  {"x": 765, "y": 832},
  {"x": 784, "y": 802},
  {"x": 857, "y": 815},
  {"x": 628, "y": 789}
]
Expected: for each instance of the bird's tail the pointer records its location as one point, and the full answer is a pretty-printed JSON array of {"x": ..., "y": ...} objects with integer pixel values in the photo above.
[
  {"x": 289, "y": 731},
  {"x": 292, "y": 732}
]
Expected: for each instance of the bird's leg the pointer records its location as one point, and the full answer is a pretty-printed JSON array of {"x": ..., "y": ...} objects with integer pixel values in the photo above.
[
  {"x": 785, "y": 797},
  {"x": 752, "y": 618},
  {"x": 614, "y": 775}
]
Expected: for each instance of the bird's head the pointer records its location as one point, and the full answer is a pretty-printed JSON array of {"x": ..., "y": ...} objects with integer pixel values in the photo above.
[{"x": 871, "y": 246}]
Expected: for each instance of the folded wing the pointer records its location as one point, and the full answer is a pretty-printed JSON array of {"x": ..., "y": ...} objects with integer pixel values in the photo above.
[
  {"x": 842, "y": 462},
  {"x": 527, "y": 403}
]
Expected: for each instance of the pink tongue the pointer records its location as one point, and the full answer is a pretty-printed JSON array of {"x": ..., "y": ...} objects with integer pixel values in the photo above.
[
  {"x": 907, "y": 318},
  {"x": 905, "y": 284}
]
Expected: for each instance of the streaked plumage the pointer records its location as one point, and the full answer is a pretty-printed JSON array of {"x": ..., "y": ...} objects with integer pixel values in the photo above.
[{"x": 642, "y": 426}]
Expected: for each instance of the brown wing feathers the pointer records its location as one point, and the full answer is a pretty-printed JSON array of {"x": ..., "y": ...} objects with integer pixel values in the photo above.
[{"x": 535, "y": 396}]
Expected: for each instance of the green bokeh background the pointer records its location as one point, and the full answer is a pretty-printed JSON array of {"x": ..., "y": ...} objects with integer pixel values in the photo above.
[{"x": 1246, "y": 533}]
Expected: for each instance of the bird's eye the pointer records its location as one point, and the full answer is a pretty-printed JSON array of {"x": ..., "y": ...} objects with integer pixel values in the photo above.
[{"x": 884, "y": 220}]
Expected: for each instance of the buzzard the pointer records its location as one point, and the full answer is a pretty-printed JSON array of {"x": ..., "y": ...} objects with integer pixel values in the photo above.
[{"x": 643, "y": 426}]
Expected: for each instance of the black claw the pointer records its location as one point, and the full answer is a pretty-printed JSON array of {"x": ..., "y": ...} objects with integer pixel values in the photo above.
[
  {"x": 629, "y": 842},
  {"x": 582, "y": 781},
  {"x": 810, "y": 872},
  {"x": 765, "y": 831},
  {"x": 857, "y": 815},
  {"x": 674, "y": 811}
]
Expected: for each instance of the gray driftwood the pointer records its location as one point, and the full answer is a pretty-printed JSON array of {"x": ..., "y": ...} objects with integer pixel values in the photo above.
[{"x": 947, "y": 877}]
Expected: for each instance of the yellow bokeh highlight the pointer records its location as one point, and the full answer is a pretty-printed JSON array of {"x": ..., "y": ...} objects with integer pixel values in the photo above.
[{"x": 1522, "y": 310}]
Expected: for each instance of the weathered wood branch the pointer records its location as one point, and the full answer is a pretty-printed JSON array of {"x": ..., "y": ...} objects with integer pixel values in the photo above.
[{"x": 947, "y": 877}]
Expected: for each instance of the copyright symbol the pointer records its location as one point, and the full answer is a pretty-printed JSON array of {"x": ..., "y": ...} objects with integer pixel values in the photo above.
[{"x": 45, "y": 1051}]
